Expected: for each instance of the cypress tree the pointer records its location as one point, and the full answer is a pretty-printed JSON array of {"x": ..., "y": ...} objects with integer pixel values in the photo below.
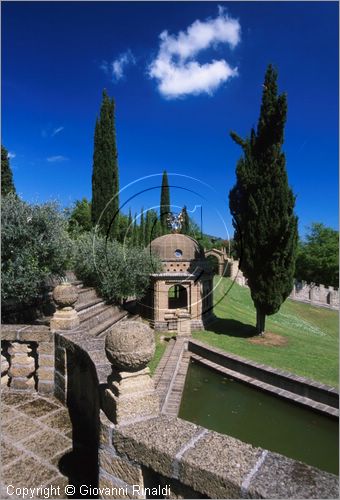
[
  {"x": 147, "y": 231},
  {"x": 135, "y": 232},
  {"x": 105, "y": 182},
  {"x": 186, "y": 221},
  {"x": 262, "y": 207},
  {"x": 7, "y": 184},
  {"x": 129, "y": 228},
  {"x": 141, "y": 238},
  {"x": 165, "y": 202}
]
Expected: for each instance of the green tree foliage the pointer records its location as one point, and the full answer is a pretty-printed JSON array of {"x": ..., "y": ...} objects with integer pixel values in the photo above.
[
  {"x": 318, "y": 256},
  {"x": 105, "y": 182},
  {"x": 262, "y": 206},
  {"x": 80, "y": 217},
  {"x": 7, "y": 184},
  {"x": 35, "y": 246},
  {"x": 117, "y": 271},
  {"x": 165, "y": 203}
]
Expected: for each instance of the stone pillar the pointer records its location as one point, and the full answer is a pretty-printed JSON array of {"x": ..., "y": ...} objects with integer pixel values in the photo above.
[
  {"x": 46, "y": 367},
  {"x": 22, "y": 366},
  {"x": 183, "y": 323},
  {"x": 66, "y": 317},
  {"x": 130, "y": 395}
]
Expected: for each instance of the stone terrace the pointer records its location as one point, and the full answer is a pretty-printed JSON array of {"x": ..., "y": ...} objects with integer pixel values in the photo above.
[{"x": 36, "y": 439}]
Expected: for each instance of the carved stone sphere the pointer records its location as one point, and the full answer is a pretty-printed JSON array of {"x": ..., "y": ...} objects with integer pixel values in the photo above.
[
  {"x": 130, "y": 345},
  {"x": 65, "y": 295}
]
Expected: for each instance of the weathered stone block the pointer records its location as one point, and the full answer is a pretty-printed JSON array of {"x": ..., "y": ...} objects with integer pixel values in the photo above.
[
  {"x": 35, "y": 333},
  {"x": 155, "y": 442},
  {"x": 46, "y": 373},
  {"x": 46, "y": 360},
  {"x": 216, "y": 465},
  {"x": 281, "y": 477},
  {"x": 119, "y": 467},
  {"x": 45, "y": 387},
  {"x": 45, "y": 348},
  {"x": 60, "y": 360}
]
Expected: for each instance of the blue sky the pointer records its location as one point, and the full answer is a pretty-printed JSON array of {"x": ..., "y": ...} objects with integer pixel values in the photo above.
[{"x": 177, "y": 97}]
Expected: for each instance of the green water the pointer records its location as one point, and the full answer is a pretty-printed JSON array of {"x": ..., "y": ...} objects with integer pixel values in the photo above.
[{"x": 225, "y": 405}]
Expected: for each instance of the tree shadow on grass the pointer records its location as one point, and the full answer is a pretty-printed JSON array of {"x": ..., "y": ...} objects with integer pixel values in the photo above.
[{"x": 231, "y": 328}]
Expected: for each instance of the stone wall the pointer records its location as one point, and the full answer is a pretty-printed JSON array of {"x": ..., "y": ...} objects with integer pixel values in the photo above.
[
  {"x": 317, "y": 295},
  {"x": 27, "y": 354}
]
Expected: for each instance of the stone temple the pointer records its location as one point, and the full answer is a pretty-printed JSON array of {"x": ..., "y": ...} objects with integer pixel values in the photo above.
[{"x": 183, "y": 290}]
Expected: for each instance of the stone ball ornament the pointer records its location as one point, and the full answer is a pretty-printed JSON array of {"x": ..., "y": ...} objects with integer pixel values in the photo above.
[
  {"x": 130, "y": 345},
  {"x": 65, "y": 295}
]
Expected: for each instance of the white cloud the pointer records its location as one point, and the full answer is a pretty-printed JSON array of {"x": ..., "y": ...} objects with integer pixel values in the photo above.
[
  {"x": 11, "y": 155},
  {"x": 175, "y": 68},
  {"x": 57, "y": 158},
  {"x": 57, "y": 131},
  {"x": 116, "y": 68}
]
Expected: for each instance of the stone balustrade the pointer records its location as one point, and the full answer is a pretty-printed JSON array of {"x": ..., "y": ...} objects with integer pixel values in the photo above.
[{"x": 27, "y": 358}]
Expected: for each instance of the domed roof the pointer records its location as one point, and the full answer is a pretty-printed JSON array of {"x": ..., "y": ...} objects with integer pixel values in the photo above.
[{"x": 177, "y": 247}]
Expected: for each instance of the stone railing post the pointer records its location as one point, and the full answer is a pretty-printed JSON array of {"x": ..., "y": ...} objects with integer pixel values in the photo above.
[
  {"x": 66, "y": 317},
  {"x": 22, "y": 366},
  {"x": 130, "y": 395}
]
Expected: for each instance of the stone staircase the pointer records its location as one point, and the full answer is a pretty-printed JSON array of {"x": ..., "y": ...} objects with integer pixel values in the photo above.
[{"x": 96, "y": 316}]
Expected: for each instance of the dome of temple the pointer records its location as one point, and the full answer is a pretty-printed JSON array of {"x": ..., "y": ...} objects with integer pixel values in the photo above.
[{"x": 177, "y": 247}]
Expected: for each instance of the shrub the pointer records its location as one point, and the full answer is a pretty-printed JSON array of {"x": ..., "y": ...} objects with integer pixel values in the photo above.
[
  {"x": 35, "y": 247},
  {"x": 117, "y": 271}
]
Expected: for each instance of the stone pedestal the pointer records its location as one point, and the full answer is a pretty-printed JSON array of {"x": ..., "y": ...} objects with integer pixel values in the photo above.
[
  {"x": 130, "y": 396},
  {"x": 64, "y": 319}
]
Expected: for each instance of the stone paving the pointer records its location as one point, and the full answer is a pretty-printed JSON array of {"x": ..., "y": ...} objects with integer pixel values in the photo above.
[{"x": 36, "y": 437}]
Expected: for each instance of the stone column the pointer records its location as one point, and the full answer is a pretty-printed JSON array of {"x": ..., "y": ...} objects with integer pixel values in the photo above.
[
  {"x": 130, "y": 395},
  {"x": 66, "y": 317},
  {"x": 22, "y": 366}
]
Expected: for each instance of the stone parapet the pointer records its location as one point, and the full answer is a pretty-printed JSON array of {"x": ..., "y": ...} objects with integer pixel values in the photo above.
[{"x": 218, "y": 466}]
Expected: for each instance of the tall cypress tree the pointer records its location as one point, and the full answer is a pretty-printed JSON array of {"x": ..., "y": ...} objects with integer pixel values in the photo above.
[
  {"x": 105, "y": 182},
  {"x": 147, "y": 230},
  {"x": 186, "y": 221},
  {"x": 135, "y": 232},
  {"x": 141, "y": 229},
  {"x": 262, "y": 206},
  {"x": 7, "y": 184},
  {"x": 165, "y": 202}
]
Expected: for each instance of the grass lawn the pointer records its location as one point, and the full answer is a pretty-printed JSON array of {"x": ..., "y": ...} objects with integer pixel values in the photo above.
[
  {"x": 306, "y": 336},
  {"x": 161, "y": 345}
]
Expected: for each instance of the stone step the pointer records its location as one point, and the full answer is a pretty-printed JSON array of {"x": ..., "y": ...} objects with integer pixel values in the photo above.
[
  {"x": 86, "y": 294},
  {"x": 97, "y": 317},
  {"x": 86, "y": 305},
  {"x": 103, "y": 327},
  {"x": 88, "y": 312}
]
